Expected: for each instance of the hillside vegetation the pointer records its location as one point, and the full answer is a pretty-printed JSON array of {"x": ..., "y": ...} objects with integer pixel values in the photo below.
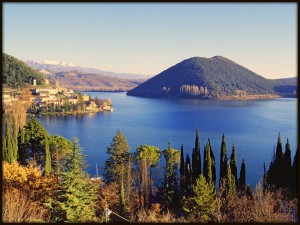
[
  {"x": 206, "y": 78},
  {"x": 16, "y": 73}
]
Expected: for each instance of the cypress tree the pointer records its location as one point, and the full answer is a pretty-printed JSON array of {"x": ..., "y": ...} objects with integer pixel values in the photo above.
[
  {"x": 230, "y": 182},
  {"x": 287, "y": 165},
  {"x": 9, "y": 147},
  {"x": 213, "y": 165},
  {"x": 21, "y": 146},
  {"x": 279, "y": 153},
  {"x": 233, "y": 165},
  {"x": 182, "y": 176},
  {"x": 193, "y": 166},
  {"x": 15, "y": 141},
  {"x": 223, "y": 159},
  {"x": 279, "y": 165},
  {"x": 196, "y": 158},
  {"x": 207, "y": 163},
  {"x": 4, "y": 149},
  {"x": 188, "y": 176},
  {"x": 242, "y": 180},
  {"x": 287, "y": 154},
  {"x": 47, "y": 157}
]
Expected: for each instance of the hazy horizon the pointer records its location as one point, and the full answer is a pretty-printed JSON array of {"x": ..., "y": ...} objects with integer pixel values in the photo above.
[{"x": 149, "y": 38}]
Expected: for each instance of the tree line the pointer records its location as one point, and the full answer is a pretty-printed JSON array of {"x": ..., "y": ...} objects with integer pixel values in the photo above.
[
  {"x": 188, "y": 189},
  {"x": 48, "y": 172}
]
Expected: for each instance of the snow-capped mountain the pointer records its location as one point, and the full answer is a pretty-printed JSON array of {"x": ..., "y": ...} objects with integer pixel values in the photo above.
[
  {"x": 54, "y": 66},
  {"x": 56, "y": 63}
]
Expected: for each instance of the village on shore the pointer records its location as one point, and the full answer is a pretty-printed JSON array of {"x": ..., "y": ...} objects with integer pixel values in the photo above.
[{"x": 52, "y": 99}]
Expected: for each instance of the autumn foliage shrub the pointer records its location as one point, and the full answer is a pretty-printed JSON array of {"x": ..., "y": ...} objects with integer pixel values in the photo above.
[{"x": 24, "y": 190}]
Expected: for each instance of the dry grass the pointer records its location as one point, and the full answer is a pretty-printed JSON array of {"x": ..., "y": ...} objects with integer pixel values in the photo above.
[{"x": 265, "y": 207}]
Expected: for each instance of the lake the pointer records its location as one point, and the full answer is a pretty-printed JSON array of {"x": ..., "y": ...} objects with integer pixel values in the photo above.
[{"x": 253, "y": 127}]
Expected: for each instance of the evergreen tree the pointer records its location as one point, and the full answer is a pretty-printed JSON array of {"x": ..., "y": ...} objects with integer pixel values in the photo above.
[
  {"x": 34, "y": 141},
  {"x": 193, "y": 166},
  {"x": 223, "y": 159},
  {"x": 203, "y": 205},
  {"x": 287, "y": 178},
  {"x": 207, "y": 164},
  {"x": 76, "y": 200},
  {"x": 170, "y": 184},
  {"x": 21, "y": 146},
  {"x": 233, "y": 165},
  {"x": 9, "y": 148},
  {"x": 213, "y": 166},
  {"x": 188, "y": 176},
  {"x": 196, "y": 158},
  {"x": 205, "y": 161},
  {"x": 287, "y": 154},
  {"x": 14, "y": 141},
  {"x": 4, "y": 149},
  {"x": 279, "y": 164},
  {"x": 276, "y": 174},
  {"x": 279, "y": 152},
  {"x": 230, "y": 182},
  {"x": 182, "y": 176},
  {"x": 242, "y": 180},
  {"x": 48, "y": 157},
  {"x": 118, "y": 158}
]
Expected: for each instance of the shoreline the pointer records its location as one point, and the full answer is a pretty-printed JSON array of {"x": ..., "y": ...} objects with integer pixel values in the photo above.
[
  {"x": 69, "y": 113},
  {"x": 224, "y": 98}
]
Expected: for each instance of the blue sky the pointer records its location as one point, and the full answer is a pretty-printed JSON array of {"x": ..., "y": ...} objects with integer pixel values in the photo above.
[{"x": 149, "y": 38}]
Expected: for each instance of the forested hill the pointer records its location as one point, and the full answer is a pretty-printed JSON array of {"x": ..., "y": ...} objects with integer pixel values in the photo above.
[
  {"x": 205, "y": 78},
  {"x": 16, "y": 73}
]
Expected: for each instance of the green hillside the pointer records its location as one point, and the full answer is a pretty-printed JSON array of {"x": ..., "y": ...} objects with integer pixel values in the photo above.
[
  {"x": 17, "y": 74},
  {"x": 200, "y": 77}
]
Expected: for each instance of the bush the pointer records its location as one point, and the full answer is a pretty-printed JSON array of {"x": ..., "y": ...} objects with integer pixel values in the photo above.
[{"x": 19, "y": 208}]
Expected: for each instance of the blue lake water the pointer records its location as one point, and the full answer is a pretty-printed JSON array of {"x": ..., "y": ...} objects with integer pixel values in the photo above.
[{"x": 253, "y": 127}]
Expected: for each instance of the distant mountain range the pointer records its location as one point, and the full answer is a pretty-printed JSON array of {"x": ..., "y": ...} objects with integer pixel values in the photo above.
[
  {"x": 200, "y": 77},
  {"x": 51, "y": 66},
  {"x": 16, "y": 73}
]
